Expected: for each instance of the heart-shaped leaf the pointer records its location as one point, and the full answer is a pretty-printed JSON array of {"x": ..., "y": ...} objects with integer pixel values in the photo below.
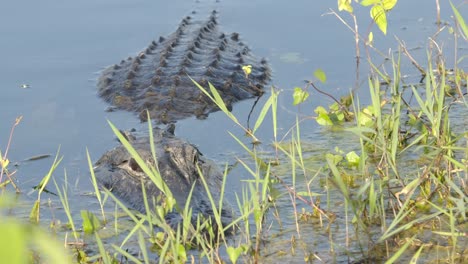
[
  {"x": 234, "y": 253},
  {"x": 299, "y": 95}
]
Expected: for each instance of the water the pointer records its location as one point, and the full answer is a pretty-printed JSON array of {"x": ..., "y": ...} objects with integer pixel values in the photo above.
[{"x": 58, "y": 48}]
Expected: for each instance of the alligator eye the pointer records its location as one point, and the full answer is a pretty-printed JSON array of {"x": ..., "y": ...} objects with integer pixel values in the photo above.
[{"x": 134, "y": 165}]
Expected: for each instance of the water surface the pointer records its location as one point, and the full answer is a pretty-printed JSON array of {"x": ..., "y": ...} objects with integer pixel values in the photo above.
[{"x": 58, "y": 48}]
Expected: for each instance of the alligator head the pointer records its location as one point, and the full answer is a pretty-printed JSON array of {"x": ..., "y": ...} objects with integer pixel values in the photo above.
[{"x": 178, "y": 163}]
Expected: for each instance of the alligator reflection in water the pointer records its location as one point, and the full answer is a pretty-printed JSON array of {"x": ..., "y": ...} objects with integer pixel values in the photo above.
[{"x": 158, "y": 80}]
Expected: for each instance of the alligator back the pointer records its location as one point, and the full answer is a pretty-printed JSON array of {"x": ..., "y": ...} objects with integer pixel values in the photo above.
[{"x": 158, "y": 78}]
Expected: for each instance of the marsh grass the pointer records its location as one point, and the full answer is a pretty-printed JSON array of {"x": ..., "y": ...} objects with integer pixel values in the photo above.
[
  {"x": 4, "y": 161},
  {"x": 171, "y": 243},
  {"x": 385, "y": 206},
  {"x": 26, "y": 242}
]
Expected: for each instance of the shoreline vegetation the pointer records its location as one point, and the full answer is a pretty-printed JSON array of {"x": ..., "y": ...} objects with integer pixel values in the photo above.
[{"x": 399, "y": 195}]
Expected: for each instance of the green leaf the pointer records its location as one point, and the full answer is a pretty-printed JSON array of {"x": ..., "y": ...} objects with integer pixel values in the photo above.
[
  {"x": 320, "y": 75},
  {"x": 299, "y": 95},
  {"x": 234, "y": 253},
  {"x": 334, "y": 158},
  {"x": 320, "y": 110},
  {"x": 377, "y": 13},
  {"x": 389, "y": 4},
  {"x": 181, "y": 253},
  {"x": 90, "y": 222},
  {"x": 340, "y": 116},
  {"x": 352, "y": 158},
  {"x": 335, "y": 107},
  {"x": 34, "y": 215},
  {"x": 345, "y": 5},
  {"x": 323, "y": 119},
  {"x": 365, "y": 118}
]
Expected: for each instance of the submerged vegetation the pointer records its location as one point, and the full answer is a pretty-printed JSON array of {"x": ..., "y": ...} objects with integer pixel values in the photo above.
[{"x": 397, "y": 190}]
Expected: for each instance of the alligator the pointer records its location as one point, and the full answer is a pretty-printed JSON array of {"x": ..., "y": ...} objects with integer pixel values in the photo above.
[
  {"x": 158, "y": 83},
  {"x": 159, "y": 79},
  {"x": 179, "y": 164}
]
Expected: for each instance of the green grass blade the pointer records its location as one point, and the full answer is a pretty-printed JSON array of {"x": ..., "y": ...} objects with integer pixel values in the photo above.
[
  {"x": 156, "y": 178},
  {"x": 151, "y": 140},
  {"x": 104, "y": 255},
  {"x": 263, "y": 113},
  {"x": 274, "y": 110},
  {"x": 47, "y": 177},
  {"x": 142, "y": 245},
  {"x": 63, "y": 196},
  {"x": 400, "y": 251},
  {"x": 460, "y": 20},
  {"x": 95, "y": 185},
  {"x": 127, "y": 255},
  {"x": 217, "y": 99}
]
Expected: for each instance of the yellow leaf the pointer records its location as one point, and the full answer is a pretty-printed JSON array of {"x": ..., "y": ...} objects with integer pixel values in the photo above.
[
  {"x": 369, "y": 2},
  {"x": 389, "y": 4},
  {"x": 247, "y": 70},
  {"x": 320, "y": 75},
  {"x": 377, "y": 13},
  {"x": 4, "y": 163},
  {"x": 345, "y": 5},
  {"x": 370, "y": 38}
]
